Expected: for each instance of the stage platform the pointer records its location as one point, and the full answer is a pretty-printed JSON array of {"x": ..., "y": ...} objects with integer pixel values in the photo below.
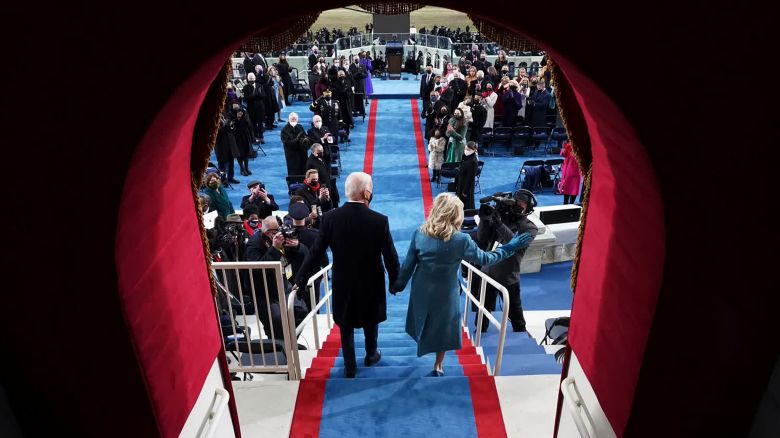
[{"x": 406, "y": 87}]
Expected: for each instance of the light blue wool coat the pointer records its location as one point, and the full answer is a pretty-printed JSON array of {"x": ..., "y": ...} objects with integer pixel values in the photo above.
[{"x": 433, "y": 318}]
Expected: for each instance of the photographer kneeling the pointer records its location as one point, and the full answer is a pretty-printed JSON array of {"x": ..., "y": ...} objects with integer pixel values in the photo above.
[{"x": 499, "y": 224}]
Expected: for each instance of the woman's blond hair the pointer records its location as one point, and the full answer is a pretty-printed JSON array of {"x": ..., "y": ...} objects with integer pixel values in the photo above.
[{"x": 445, "y": 219}]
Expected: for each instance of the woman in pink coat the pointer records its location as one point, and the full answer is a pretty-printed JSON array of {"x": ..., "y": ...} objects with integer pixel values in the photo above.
[{"x": 570, "y": 175}]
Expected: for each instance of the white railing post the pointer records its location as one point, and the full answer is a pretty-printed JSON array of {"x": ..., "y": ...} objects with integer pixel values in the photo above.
[
  {"x": 297, "y": 372},
  {"x": 573, "y": 398},
  {"x": 480, "y": 303}
]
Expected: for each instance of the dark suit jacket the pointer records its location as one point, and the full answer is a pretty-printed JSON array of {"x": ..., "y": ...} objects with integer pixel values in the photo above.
[
  {"x": 360, "y": 241},
  {"x": 426, "y": 87}
]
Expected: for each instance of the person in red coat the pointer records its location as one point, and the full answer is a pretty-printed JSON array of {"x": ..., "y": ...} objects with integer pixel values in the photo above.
[{"x": 570, "y": 175}]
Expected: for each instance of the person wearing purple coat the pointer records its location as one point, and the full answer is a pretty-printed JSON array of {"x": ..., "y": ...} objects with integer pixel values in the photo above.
[
  {"x": 513, "y": 101},
  {"x": 365, "y": 60}
]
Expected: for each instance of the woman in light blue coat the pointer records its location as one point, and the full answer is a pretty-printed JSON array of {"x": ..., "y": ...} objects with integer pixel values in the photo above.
[{"x": 433, "y": 261}]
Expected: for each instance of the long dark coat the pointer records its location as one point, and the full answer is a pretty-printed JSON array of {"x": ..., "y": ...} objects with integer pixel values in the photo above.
[
  {"x": 254, "y": 94},
  {"x": 363, "y": 249},
  {"x": 315, "y": 136},
  {"x": 241, "y": 130},
  {"x": 359, "y": 75},
  {"x": 541, "y": 100},
  {"x": 226, "y": 142},
  {"x": 464, "y": 182},
  {"x": 284, "y": 72},
  {"x": 295, "y": 145}
]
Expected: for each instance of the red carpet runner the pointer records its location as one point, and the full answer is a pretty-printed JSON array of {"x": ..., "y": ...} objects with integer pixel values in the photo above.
[
  {"x": 368, "y": 163},
  {"x": 427, "y": 196}
]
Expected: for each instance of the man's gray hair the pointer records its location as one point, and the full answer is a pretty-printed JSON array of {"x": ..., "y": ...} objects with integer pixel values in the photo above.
[
  {"x": 355, "y": 184},
  {"x": 316, "y": 147},
  {"x": 316, "y": 117},
  {"x": 292, "y": 116},
  {"x": 267, "y": 222}
]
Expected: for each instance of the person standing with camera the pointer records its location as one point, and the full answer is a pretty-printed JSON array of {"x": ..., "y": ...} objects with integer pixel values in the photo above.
[
  {"x": 259, "y": 198},
  {"x": 315, "y": 196},
  {"x": 317, "y": 162},
  {"x": 497, "y": 227}
]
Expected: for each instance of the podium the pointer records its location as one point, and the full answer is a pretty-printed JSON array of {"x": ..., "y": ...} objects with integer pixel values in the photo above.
[{"x": 394, "y": 54}]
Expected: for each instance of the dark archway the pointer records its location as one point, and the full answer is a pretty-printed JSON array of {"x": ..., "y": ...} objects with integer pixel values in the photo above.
[{"x": 581, "y": 34}]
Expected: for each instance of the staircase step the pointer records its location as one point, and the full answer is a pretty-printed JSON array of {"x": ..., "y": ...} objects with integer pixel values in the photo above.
[
  {"x": 524, "y": 348},
  {"x": 407, "y": 361},
  {"x": 404, "y": 372},
  {"x": 408, "y": 342},
  {"x": 528, "y": 364},
  {"x": 399, "y": 407},
  {"x": 392, "y": 351}
]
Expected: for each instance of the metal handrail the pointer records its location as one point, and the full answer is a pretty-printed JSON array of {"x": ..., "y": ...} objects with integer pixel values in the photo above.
[
  {"x": 483, "y": 311},
  {"x": 573, "y": 398},
  {"x": 289, "y": 342},
  {"x": 215, "y": 414},
  {"x": 311, "y": 316}
]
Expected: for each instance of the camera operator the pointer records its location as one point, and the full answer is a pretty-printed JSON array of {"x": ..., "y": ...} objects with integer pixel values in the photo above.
[
  {"x": 233, "y": 239},
  {"x": 260, "y": 199},
  {"x": 315, "y": 196},
  {"x": 499, "y": 225},
  {"x": 276, "y": 243}
]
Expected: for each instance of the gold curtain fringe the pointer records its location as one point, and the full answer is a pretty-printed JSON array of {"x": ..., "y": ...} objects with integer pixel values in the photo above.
[
  {"x": 564, "y": 96},
  {"x": 281, "y": 40},
  {"x": 214, "y": 103},
  {"x": 581, "y": 232},
  {"x": 507, "y": 40},
  {"x": 390, "y": 8}
]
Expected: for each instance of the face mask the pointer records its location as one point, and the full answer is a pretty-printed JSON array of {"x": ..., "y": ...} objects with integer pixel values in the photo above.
[
  {"x": 468, "y": 152},
  {"x": 253, "y": 224},
  {"x": 370, "y": 197},
  {"x": 293, "y": 123},
  {"x": 236, "y": 107},
  {"x": 213, "y": 185},
  {"x": 428, "y": 71},
  {"x": 314, "y": 182},
  {"x": 318, "y": 125},
  {"x": 251, "y": 81}
]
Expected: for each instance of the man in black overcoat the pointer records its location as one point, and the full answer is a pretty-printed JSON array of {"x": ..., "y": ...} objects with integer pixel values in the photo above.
[
  {"x": 362, "y": 248},
  {"x": 317, "y": 162},
  {"x": 296, "y": 143},
  {"x": 254, "y": 94}
]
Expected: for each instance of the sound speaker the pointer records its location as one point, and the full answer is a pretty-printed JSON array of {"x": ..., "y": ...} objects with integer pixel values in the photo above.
[{"x": 562, "y": 216}]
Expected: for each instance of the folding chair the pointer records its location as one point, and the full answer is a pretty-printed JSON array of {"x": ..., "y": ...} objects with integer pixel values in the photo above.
[
  {"x": 555, "y": 175},
  {"x": 449, "y": 170},
  {"x": 541, "y": 134},
  {"x": 527, "y": 163},
  {"x": 502, "y": 134},
  {"x": 300, "y": 87},
  {"x": 521, "y": 138},
  {"x": 485, "y": 138},
  {"x": 559, "y": 135}
]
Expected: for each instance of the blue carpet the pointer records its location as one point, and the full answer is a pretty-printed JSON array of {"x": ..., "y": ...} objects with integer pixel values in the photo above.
[{"x": 398, "y": 407}]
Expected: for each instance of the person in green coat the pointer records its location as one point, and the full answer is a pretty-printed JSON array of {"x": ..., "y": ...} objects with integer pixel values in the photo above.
[
  {"x": 456, "y": 131},
  {"x": 433, "y": 261},
  {"x": 219, "y": 197}
]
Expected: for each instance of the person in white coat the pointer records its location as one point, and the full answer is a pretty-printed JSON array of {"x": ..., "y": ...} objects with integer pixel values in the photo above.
[{"x": 489, "y": 98}]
